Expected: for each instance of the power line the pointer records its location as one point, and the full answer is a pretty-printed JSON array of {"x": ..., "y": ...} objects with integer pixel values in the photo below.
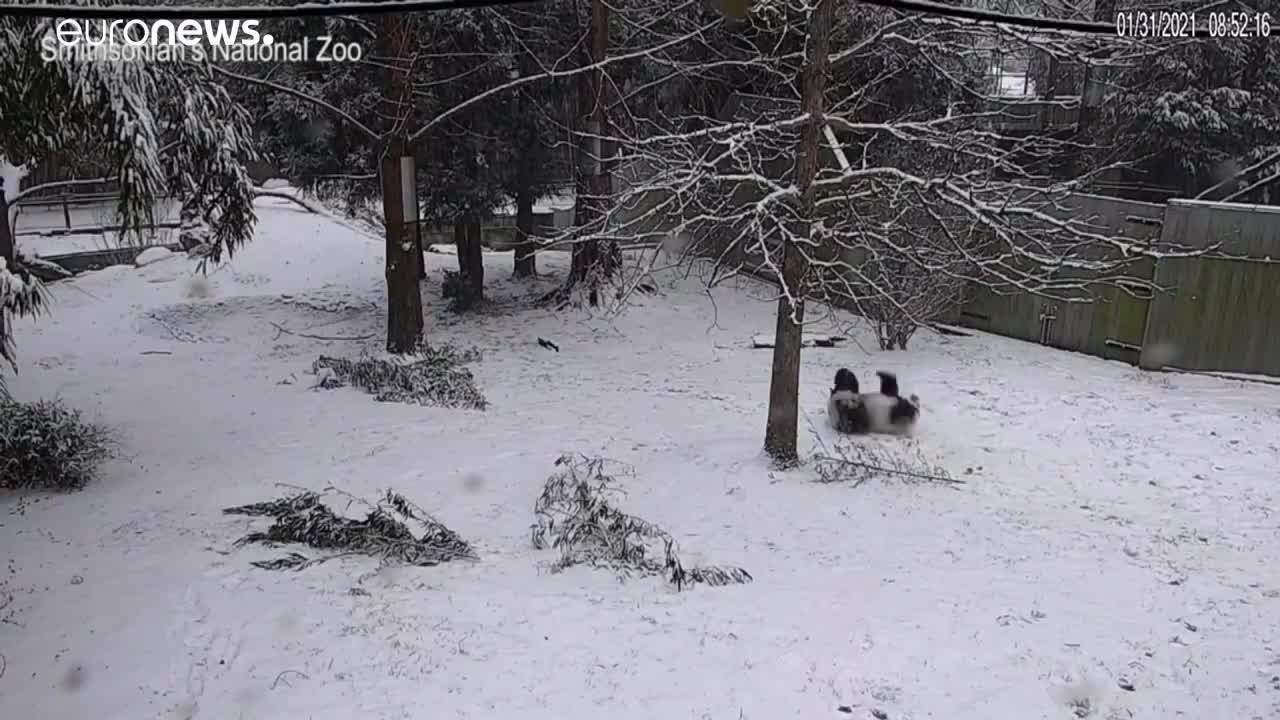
[
  {"x": 247, "y": 12},
  {"x": 1187, "y": 25},
  {"x": 364, "y": 7},
  {"x": 990, "y": 16},
  {"x": 179, "y": 12}
]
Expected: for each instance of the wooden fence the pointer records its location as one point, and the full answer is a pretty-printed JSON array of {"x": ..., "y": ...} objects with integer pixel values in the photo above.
[
  {"x": 1222, "y": 312},
  {"x": 1111, "y": 326},
  {"x": 1215, "y": 312}
]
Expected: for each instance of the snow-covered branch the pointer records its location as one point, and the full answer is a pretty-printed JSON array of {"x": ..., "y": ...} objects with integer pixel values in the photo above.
[
  {"x": 554, "y": 74},
  {"x": 43, "y": 187},
  {"x": 168, "y": 128},
  {"x": 922, "y": 194},
  {"x": 278, "y": 87}
]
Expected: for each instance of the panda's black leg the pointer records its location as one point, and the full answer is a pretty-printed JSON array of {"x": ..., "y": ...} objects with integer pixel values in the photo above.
[
  {"x": 842, "y": 421},
  {"x": 859, "y": 420},
  {"x": 852, "y": 417},
  {"x": 888, "y": 384},
  {"x": 902, "y": 412}
]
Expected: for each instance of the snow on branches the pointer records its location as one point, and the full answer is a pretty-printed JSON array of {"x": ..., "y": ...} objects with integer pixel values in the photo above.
[
  {"x": 21, "y": 293},
  {"x": 166, "y": 129},
  {"x": 923, "y": 191},
  {"x": 576, "y": 514}
]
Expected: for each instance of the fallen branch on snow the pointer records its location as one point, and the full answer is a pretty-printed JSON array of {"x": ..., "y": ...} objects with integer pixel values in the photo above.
[
  {"x": 259, "y": 192},
  {"x": 281, "y": 677},
  {"x": 46, "y": 445},
  {"x": 574, "y": 515},
  {"x": 176, "y": 332},
  {"x": 435, "y": 377},
  {"x": 760, "y": 342},
  {"x": 281, "y": 330},
  {"x": 45, "y": 270},
  {"x": 857, "y": 460},
  {"x": 860, "y": 463},
  {"x": 384, "y": 533}
]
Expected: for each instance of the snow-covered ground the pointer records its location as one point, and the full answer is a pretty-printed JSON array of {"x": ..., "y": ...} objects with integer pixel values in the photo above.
[{"x": 1115, "y": 528}]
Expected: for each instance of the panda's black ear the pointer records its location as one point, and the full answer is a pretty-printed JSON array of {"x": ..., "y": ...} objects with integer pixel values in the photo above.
[
  {"x": 888, "y": 384},
  {"x": 846, "y": 380}
]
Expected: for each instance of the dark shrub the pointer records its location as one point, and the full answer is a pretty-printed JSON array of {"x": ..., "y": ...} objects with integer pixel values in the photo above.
[{"x": 45, "y": 444}]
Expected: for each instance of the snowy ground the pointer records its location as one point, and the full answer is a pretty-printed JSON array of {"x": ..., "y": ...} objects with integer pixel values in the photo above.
[{"x": 1115, "y": 525}]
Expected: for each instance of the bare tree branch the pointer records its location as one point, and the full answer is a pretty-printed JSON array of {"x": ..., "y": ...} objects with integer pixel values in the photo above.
[{"x": 301, "y": 96}]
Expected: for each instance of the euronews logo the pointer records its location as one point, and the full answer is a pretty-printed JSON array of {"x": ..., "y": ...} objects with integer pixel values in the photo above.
[{"x": 159, "y": 40}]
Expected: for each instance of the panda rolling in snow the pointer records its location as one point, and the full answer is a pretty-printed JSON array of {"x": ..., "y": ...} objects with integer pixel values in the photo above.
[
  {"x": 846, "y": 412},
  {"x": 885, "y": 412}
]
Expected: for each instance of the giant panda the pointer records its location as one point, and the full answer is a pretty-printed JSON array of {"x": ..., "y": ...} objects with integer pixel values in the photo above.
[
  {"x": 846, "y": 411},
  {"x": 884, "y": 412}
]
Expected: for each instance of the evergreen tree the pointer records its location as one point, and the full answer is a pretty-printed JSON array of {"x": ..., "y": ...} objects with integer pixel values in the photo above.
[{"x": 163, "y": 128}]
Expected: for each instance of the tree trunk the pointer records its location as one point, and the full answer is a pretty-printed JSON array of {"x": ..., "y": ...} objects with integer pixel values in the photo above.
[
  {"x": 466, "y": 236},
  {"x": 780, "y": 440},
  {"x": 526, "y": 261},
  {"x": 475, "y": 259},
  {"x": 403, "y": 271},
  {"x": 8, "y": 252},
  {"x": 592, "y": 264},
  {"x": 419, "y": 250},
  {"x": 1091, "y": 92},
  {"x": 404, "y": 294},
  {"x": 8, "y": 248},
  {"x": 784, "y": 382}
]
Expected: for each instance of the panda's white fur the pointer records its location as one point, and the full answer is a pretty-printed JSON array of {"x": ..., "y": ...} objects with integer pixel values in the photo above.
[
  {"x": 849, "y": 411},
  {"x": 878, "y": 408},
  {"x": 838, "y": 398}
]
